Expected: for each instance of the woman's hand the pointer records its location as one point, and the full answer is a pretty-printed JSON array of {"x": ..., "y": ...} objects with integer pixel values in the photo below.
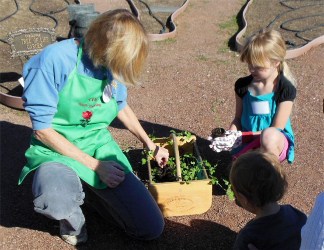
[
  {"x": 110, "y": 173},
  {"x": 130, "y": 121},
  {"x": 161, "y": 156}
]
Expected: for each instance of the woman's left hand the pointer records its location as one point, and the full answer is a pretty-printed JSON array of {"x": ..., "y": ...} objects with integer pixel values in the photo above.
[
  {"x": 130, "y": 121},
  {"x": 161, "y": 156}
]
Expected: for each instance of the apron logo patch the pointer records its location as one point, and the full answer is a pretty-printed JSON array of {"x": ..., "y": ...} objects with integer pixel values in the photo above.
[{"x": 86, "y": 115}]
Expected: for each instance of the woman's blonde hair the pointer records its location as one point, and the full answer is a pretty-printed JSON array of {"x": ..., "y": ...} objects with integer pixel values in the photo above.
[
  {"x": 267, "y": 45},
  {"x": 117, "y": 40},
  {"x": 259, "y": 177}
]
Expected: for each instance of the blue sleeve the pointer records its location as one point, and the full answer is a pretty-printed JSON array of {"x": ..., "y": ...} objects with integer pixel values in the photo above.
[
  {"x": 45, "y": 74},
  {"x": 40, "y": 97},
  {"x": 120, "y": 94}
]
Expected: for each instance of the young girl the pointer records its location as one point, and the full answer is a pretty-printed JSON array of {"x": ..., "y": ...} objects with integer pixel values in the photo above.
[
  {"x": 73, "y": 90},
  {"x": 264, "y": 99},
  {"x": 258, "y": 184}
]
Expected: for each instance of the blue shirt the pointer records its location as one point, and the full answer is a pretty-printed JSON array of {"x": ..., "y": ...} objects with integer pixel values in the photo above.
[
  {"x": 280, "y": 231},
  {"x": 46, "y": 74}
]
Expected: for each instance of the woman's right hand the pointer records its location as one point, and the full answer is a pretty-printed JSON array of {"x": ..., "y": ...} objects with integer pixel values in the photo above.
[
  {"x": 161, "y": 156},
  {"x": 110, "y": 173}
]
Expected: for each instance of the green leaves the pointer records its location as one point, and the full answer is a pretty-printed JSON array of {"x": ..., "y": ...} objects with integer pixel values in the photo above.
[
  {"x": 146, "y": 154},
  {"x": 223, "y": 183},
  {"x": 144, "y": 161},
  {"x": 186, "y": 134},
  {"x": 192, "y": 166},
  {"x": 229, "y": 190}
]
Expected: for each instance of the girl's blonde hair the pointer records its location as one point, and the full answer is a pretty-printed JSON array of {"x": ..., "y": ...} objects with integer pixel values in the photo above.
[
  {"x": 117, "y": 40},
  {"x": 259, "y": 177},
  {"x": 267, "y": 45}
]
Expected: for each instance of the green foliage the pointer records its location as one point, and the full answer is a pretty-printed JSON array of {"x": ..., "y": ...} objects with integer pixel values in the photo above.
[
  {"x": 230, "y": 25},
  {"x": 223, "y": 183},
  {"x": 192, "y": 167},
  {"x": 186, "y": 134},
  {"x": 166, "y": 41},
  {"x": 229, "y": 190},
  {"x": 146, "y": 154},
  {"x": 152, "y": 137}
]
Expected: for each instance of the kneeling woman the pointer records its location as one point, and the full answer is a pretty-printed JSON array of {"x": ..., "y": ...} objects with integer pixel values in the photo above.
[{"x": 73, "y": 90}]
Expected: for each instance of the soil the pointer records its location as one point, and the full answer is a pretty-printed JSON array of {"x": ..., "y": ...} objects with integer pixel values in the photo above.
[{"x": 187, "y": 85}]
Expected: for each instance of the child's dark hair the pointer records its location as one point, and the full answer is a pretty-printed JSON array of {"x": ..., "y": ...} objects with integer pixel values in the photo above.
[{"x": 258, "y": 176}]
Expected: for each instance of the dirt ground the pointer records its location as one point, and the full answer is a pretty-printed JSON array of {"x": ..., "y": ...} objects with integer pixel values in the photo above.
[
  {"x": 298, "y": 21},
  {"x": 187, "y": 85}
]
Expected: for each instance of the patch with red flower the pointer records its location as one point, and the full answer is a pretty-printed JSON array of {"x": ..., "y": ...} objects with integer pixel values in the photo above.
[{"x": 86, "y": 117}]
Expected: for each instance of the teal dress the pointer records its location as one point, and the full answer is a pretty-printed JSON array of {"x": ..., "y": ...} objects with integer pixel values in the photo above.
[{"x": 259, "y": 111}]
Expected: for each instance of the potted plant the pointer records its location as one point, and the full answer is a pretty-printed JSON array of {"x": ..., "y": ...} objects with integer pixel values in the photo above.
[{"x": 183, "y": 187}]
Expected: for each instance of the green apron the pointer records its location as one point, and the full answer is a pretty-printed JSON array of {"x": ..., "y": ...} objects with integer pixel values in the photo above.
[{"x": 82, "y": 118}]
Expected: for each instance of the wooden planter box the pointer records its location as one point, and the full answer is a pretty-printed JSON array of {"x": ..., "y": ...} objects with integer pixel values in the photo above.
[{"x": 179, "y": 198}]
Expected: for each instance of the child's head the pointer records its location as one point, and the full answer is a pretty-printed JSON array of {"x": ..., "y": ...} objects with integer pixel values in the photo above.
[
  {"x": 258, "y": 177},
  {"x": 118, "y": 41},
  {"x": 263, "y": 47},
  {"x": 266, "y": 46}
]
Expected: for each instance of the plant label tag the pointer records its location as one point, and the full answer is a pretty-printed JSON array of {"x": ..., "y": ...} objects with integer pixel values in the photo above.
[
  {"x": 260, "y": 108},
  {"x": 107, "y": 93},
  {"x": 28, "y": 42}
]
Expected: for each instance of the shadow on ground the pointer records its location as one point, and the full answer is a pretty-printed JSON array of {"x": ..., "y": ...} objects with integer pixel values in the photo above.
[
  {"x": 17, "y": 207},
  {"x": 200, "y": 234},
  {"x": 239, "y": 20}
]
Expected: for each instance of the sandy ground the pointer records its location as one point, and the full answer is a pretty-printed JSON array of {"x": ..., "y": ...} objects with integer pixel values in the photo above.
[{"x": 187, "y": 85}]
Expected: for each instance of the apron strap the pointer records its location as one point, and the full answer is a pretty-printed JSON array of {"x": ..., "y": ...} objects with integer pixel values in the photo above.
[
  {"x": 80, "y": 52},
  {"x": 105, "y": 72}
]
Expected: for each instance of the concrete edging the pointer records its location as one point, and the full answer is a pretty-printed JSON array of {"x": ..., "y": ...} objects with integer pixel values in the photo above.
[
  {"x": 174, "y": 15},
  {"x": 17, "y": 102},
  {"x": 292, "y": 53}
]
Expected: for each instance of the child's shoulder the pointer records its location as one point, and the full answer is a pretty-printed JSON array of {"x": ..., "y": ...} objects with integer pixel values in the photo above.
[
  {"x": 242, "y": 81},
  {"x": 290, "y": 209},
  {"x": 286, "y": 91},
  {"x": 293, "y": 216},
  {"x": 242, "y": 84},
  {"x": 270, "y": 232},
  {"x": 285, "y": 83}
]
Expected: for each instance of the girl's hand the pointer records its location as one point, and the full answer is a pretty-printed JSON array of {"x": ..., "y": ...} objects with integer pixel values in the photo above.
[
  {"x": 231, "y": 139},
  {"x": 161, "y": 156},
  {"x": 110, "y": 173}
]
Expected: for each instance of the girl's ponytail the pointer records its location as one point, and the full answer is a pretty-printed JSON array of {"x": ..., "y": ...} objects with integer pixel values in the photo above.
[{"x": 284, "y": 68}]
